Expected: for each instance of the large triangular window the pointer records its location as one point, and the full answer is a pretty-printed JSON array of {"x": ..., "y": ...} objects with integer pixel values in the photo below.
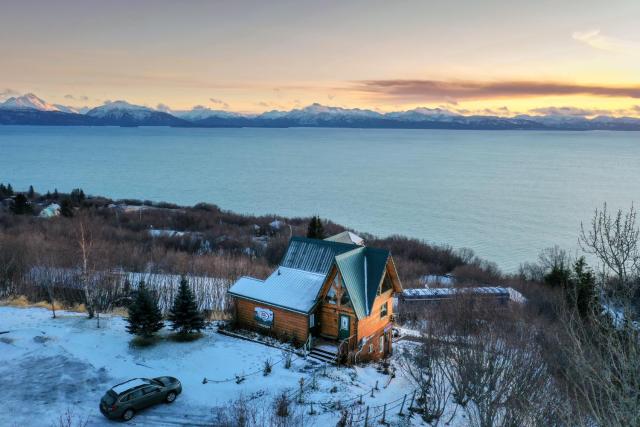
[{"x": 386, "y": 284}]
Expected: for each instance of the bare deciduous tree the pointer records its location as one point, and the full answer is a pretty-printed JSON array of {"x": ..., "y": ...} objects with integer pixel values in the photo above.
[
  {"x": 601, "y": 368},
  {"x": 614, "y": 240}
]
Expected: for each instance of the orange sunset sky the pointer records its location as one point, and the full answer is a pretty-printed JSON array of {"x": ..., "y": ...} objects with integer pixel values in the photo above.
[{"x": 494, "y": 57}]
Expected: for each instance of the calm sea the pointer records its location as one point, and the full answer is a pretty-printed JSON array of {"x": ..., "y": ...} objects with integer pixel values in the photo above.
[{"x": 505, "y": 194}]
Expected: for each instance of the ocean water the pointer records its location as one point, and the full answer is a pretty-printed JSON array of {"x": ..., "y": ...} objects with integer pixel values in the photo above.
[{"x": 504, "y": 194}]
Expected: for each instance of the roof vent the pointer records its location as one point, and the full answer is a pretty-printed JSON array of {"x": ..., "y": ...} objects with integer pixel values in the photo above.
[{"x": 279, "y": 272}]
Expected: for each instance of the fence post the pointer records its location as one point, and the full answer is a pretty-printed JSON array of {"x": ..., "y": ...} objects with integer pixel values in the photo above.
[
  {"x": 366, "y": 418},
  {"x": 360, "y": 401},
  {"x": 376, "y": 387},
  {"x": 371, "y": 391},
  {"x": 384, "y": 414},
  {"x": 312, "y": 411},
  {"x": 412, "y": 399},
  {"x": 402, "y": 406}
]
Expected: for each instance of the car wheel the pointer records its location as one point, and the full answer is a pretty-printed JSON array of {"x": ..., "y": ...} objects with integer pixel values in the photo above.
[
  {"x": 128, "y": 414},
  {"x": 171, "y": 396}
]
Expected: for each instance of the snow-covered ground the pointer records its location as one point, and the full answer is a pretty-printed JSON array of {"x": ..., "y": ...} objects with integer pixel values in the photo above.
[{"x": 50, "y": 365}]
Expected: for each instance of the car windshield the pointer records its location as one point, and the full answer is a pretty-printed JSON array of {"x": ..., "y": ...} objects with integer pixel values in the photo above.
[{"x": 109, "y": 398}]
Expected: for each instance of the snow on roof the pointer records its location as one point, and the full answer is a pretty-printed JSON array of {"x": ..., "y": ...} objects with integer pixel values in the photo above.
[
  {"x": 50, "y": 211},
  {"x": 128, "y": 385},
  {"x": 346, "y": 237},
  {"x": 435, "y": 293},
  {"x": 288, "y": 288}
]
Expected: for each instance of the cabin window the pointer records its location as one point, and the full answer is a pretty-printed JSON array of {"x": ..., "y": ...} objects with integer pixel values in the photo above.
[
  {"x": 312, "y": 320},
  {"x": 383, "y": 310},
  {"x": 370, "y": 348},
  {"x": 381, "y": 343},
  {"x": 345, "y": 300},
  {"x": 331, "y": 296},
  {"x": 386, "y": 284}
]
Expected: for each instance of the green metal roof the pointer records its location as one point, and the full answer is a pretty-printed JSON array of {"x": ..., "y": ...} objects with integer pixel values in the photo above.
[
  {"x": 362, "y": 270},
  {"x": 313, "y": 254}
]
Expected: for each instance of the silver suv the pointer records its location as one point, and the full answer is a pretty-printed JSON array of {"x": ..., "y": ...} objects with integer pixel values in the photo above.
[{"x": 127, "y": 398}]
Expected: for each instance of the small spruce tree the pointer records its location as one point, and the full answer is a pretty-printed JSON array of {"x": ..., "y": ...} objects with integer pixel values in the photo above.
[
  {"x": 184, "y": 315},
  {"x": 558, "y": 277},
  {"x": 315, "y": 230},
  {"x": 583, "y": 295},
  {"x": 9, "y": 190},
  {"x": 32, "y": 193},
  {"x": 77, "y": 196},
  {"x": 21, "y": 205},
  {"x": 144, "y": 318},
  {"x": 66, "y": 208}
]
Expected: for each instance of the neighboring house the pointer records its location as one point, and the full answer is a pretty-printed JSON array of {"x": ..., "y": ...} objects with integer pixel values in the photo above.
[
  {"x": 333, "y": 297},
  {"x": 50, "y": 211}
]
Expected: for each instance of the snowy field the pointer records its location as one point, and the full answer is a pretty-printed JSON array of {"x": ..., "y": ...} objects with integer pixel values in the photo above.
[{"x": 50, "y": 365}]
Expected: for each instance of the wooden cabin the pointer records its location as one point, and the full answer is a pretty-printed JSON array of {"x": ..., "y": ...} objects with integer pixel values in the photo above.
[{"x": 333, "y": 296}]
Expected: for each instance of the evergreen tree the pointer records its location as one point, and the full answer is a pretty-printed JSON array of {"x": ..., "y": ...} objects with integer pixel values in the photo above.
[
  {"x": 583, "y": 294},
  {"x": 3, "y": 191},
  {"x": 32, "y": 193},
  {"x": 144, "y": 318},
  {"x": 55, "y": 194},
  {"x": 9, "y": 190},
  {"x": 66, "y": 208},
  {"x": 77, "y": 196},
  {"x": 558, "y": 277},
  {"x": 21, "y": 205},
  {"x": 315, "y": 230},
  {"x": 184, "y": 315}
]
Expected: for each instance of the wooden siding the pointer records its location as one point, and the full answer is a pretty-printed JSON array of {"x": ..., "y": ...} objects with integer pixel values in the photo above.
[
  {"x": 328, "y": 314},
  {"x": 374, "y": 322},
  {"x": 284, "y": 321}
]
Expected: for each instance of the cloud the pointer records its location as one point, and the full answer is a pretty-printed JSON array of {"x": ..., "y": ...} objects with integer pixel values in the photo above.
[
  {"x": 163, "y": 107},
  {"x": 440, "y": 90},
  {"x": 597, "y": 40},
  {"x": 8, "y": 93},
  {"x": 219, "y": 102},
  {"x": 79, "y": 98}
]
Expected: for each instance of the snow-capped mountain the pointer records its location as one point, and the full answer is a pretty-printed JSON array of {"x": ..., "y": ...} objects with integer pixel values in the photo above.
[
  {"x": 67, "y": 109},
  {"x": 28, "y": 101},
  {"x": 122, "y": 113},
  {"x": 200, "y": 113},
  {"x": 321, "y": 115},
  {"x": 422, "y": 114},
  {"x": 31, "y": 110}
]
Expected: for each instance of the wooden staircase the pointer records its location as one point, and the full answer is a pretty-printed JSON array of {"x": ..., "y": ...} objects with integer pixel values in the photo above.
[{"x": 325, "y": 352}]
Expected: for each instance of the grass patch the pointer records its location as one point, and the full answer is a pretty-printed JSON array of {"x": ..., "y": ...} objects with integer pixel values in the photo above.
[
  {"x": 7, "y": 340},
  {"x": 44, "y": 304},
  {"x": 120, "y": 311},
  {"x": 177, "y": 337},
  {"x": 42, "y": 339},
  {"x": 218, "y": 315},
  {"x": 143, "y": 342},
  {"x": 17, "y": 301},
  {"x": 21, "y": 301}
]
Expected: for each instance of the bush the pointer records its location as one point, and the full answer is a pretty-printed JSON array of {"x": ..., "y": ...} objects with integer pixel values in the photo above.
[
  {"x": 282, "y": 405},
  {"x": 267, "y": 368}
]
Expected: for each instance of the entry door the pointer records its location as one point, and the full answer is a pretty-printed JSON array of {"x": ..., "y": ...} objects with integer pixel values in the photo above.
[{"x": 344, "y": 327}]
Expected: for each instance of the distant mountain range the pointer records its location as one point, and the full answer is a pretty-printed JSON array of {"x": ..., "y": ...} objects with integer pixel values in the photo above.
[{"x": 31, "y": 110}]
